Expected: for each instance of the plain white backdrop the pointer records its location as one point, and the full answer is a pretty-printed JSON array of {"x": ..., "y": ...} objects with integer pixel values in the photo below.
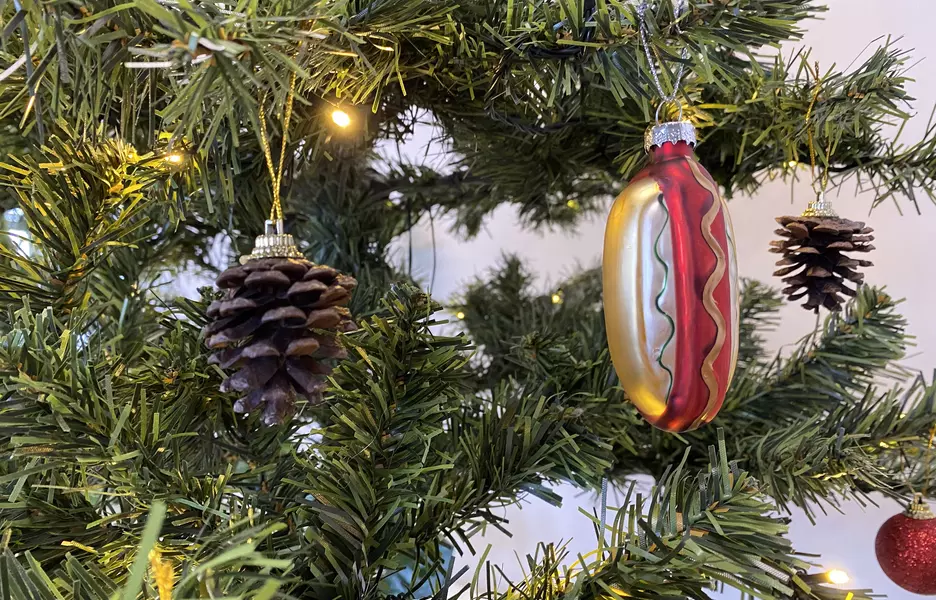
[{"x": 903, "y": 262}]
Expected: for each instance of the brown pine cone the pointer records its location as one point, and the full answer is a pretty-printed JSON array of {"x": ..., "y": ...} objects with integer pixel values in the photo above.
[
  {"x": 276, "y": 325},
  {"x": 814, "y": 264}
]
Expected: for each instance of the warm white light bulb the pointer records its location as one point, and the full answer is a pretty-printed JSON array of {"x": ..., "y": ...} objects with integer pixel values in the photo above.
[
  {"x": 174, "y": 158},
  {"x": 557, "y": 298},
  {"x": 837, "y": 576},
  {"x": 460, "y": 315},
  {"x": 341, "y": 118}
]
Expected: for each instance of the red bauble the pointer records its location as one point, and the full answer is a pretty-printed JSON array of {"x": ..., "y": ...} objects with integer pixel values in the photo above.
[{"x": 906, "y": 549}]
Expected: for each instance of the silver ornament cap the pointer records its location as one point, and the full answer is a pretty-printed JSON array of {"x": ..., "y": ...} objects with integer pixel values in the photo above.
[
  {"x": 820, "y": 207},
  {"x": 274, "y": 243},
  {"x": 672, "y": 132},
  {"x": 919, "y": 510}
]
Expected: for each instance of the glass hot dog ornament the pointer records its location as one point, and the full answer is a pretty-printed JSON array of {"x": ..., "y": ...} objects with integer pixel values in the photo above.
[{"x": 670, "y": 284}]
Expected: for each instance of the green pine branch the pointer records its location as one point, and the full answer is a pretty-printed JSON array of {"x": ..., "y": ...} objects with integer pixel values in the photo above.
[
  {"x": 403, "y": 463},
  {"x": 695, "y": 532},
  {"x": 232, "y": 567},
  {"x": 546, "y": 112},
  {"x": 831, "y": 366},
  {"x": 785, "y": 410},
  {"x": 846, "y": 452},
  {"x": 83, "y": 202}
]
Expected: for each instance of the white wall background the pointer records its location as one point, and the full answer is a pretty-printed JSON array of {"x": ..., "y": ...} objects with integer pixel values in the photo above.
[{"x": 902, "y": 263}]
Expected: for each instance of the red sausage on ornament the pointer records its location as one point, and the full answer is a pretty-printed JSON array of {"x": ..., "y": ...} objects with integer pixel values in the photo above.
[{"x": 671, "y": 286}]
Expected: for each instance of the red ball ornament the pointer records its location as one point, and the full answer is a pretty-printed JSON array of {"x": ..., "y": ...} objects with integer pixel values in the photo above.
[
  {"x": 906, "y": 549},
  {"x": 670, "y": 283}
]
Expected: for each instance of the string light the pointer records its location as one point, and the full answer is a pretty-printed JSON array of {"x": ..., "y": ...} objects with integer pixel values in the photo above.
[
  {"x": 341, "y": 118},
  {"x": 460, "y": 316},
  {"x": 573, "y": 204},
  {"x": 557, "y": 298},
  {"x": 792, "y": 164},
  {"x": 174, "y": 158},
  {"x": 837, "y": 577}
]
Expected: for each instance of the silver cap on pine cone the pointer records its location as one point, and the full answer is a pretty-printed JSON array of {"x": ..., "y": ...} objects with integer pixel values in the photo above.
[
  {"x": 274, "y": 243},
  {"x": 820, "y": 207},
  {"x": 672, "y": 132}
]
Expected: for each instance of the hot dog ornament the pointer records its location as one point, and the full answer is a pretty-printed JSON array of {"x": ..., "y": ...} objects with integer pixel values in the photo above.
[{"x": 671, "y": 286}]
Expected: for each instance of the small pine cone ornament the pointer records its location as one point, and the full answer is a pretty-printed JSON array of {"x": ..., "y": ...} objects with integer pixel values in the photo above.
[
  {"x": 276, "y": 325},
  {"x": 814, "y": 264}
]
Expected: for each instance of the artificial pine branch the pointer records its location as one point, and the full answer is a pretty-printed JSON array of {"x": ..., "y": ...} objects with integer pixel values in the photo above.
[
  {"x": 694, "y": 532},
  {"x": 846, "y": 451},
  {"x": 82, "y": 201},
  {"x": 379, "y": 464},
  {"x": 546, "y": 113},
  {"x": 758, "y": 315},
  {"x": 110, "y": 408},
  {"x": 795, "y": 404},
  {"x": 831, "y": 366},
  {"x": 92, "y": 437},
  {"x": 230, "y": 566},
  {"x": 403, "y": 462}
]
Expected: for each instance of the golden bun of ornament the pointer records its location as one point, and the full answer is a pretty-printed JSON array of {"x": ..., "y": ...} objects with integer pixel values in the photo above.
[{"x": 671, "y": 286}]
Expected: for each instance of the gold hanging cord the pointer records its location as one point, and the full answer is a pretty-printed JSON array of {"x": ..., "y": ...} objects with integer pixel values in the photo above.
[
  {"x": 275, "y": 242},
  {"x": 276, "y": 174},
  {"x": 820, "y": 207},
  {"x": 918, "y": 508},
  {"x": 927, "y": 476}
]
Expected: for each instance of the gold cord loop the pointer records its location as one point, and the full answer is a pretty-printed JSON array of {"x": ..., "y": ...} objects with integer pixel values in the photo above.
[
  {"x": 276, "y": 174},
  {"x": 824, "y": 180}
]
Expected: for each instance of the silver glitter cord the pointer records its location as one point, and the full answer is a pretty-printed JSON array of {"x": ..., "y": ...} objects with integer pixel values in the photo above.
[
  {"x": 781, "y": 576},
  {"x": 777, "y": 574},
  {"x": 679, "y": 7},
  {"x": 604, "y": 504}
]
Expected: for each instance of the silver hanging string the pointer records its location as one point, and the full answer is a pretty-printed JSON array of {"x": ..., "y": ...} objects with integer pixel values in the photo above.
[
  {"x": 604, "y": 505},
  {"x": 679, "y": 7}
]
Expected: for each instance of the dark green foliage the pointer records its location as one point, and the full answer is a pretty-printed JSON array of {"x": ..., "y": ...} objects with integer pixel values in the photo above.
[
  {"x": 115, "y": 441},
  {"x": 402, "y": 462},
  {"x": 696, "y": 531},
  {"x": 542, "y": 104},
  {"x": 759, "y": 306},
  {"x": 783, "y": 415}
]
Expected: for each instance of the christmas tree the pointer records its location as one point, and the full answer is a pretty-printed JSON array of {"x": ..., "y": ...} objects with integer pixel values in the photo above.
[{"x": 148, "y": 140}]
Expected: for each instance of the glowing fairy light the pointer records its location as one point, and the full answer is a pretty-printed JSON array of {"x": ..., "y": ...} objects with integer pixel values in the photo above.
[
  {"x": 341, "y": 118},
  {"x": 837, "y": 577}
]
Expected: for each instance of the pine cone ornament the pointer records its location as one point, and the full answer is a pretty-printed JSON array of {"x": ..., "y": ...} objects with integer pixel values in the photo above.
[
  {"x": 276, "y": 325},
  {"x": 814, "y": 264}
]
